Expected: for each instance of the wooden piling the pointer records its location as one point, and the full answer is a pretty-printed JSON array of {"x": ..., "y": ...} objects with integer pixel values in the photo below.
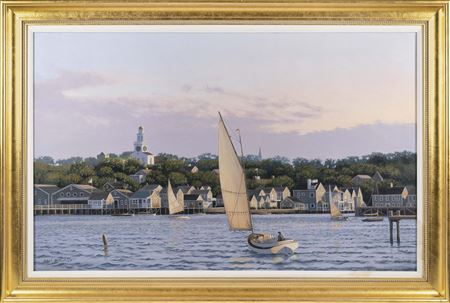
[
  {"x": 391, "y": 238},
  {"x": 105, "y": 244}
]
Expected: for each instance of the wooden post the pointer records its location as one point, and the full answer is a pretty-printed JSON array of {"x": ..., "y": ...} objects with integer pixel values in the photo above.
[
  {"x": 105, "y": 244},
  {"x": 398, "y": 231},
  {"x": 391, "y": 232}
]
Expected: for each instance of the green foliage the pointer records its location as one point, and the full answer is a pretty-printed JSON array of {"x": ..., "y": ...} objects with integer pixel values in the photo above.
[
  {"x": 398, "y": 168},
  {"x": 283, "y": 181},
  {"x": 177, "y": 178}
]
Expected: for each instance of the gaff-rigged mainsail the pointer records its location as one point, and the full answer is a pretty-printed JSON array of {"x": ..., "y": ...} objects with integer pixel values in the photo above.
[
  {"x": 232, "y": 183},
  {"x": 174, "y": 205},
  {"x": 334, "y": 209}
]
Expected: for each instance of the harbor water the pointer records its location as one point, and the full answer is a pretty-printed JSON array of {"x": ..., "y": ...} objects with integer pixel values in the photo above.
[{"x": 204, "y": 242}]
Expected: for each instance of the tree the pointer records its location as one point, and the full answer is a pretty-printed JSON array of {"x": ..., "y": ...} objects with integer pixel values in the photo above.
[
  {"x": 172, "y": 165},
  {"x": 283, "y": 181},
  {"x": 177, "y": 178},
  {"x": 45, "y": 159}
]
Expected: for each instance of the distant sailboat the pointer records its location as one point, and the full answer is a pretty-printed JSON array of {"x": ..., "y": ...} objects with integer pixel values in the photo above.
[
  {"x": 237, "y": 207},
  {"x": 336, "y": 214},
  {"x": 175, "y": 206}
]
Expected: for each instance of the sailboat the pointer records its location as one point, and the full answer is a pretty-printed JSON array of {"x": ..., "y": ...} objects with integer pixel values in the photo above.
[
  {"x": 372, "y": 217},
  {"x": 237, "y": 206},
  {"x": 336, "y": 214},
  {"x": 175, "y": 206}
]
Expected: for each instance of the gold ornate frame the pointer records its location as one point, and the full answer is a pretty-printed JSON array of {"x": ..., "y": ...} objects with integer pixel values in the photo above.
[{"x": 17, "y": 16}]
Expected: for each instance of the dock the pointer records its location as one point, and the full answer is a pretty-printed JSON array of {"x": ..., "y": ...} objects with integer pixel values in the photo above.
[{"x": 396, "y": 217}]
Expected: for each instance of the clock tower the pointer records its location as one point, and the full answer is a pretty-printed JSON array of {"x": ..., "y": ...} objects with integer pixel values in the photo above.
[
  {"x": 140, "y": 150},
  {"x": 139, "y": 145}
]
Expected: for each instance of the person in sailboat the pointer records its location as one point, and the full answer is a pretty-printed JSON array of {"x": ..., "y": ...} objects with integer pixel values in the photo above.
[{"x": 280, "y": 236}]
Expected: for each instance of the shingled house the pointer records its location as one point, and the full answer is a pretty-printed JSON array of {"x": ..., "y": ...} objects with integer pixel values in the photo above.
[
  {"x": 43, "y": 194},
  {"x": 146, "y": 197}
]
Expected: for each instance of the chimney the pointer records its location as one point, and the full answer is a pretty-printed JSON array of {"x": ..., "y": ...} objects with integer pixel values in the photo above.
[
  {"x": 392, "y": 184},
  {"x": 308, "y": 183}
]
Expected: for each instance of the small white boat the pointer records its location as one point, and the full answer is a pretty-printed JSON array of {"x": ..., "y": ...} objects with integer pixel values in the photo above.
[
  {"x": 269, "y": 244},
  {"x": 181, "y": 217},
  {"x": 373, "y": 219},
  {"x": 123, "y": 215},
  {"x": 237, "y": 206}
]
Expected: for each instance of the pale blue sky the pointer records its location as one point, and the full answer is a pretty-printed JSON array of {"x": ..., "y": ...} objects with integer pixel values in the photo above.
[{"x": 326, "y": 95}]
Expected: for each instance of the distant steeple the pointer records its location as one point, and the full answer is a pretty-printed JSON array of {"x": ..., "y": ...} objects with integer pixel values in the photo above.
[{"x": 260, "y": 154}]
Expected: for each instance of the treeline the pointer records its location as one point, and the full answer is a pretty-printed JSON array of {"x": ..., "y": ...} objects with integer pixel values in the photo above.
[{"x": 398, "y": 168}]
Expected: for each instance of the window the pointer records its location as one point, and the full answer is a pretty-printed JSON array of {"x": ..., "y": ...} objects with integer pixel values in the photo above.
[
  {"x": 81, "y": 194},
  {"x": 303, "y": 194},
  {"x": 312, "y": 205},
  {"x": 67, "y": 194},
  {"x": 61, "y": 194},
  {"x": 74, "y": 194},
  {"x": 311, "y": 195}
]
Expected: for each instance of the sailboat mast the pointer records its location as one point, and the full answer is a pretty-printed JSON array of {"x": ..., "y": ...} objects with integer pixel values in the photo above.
[{"x": 243, "y": 168}]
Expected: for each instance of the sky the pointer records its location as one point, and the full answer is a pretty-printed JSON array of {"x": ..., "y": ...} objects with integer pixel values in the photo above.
[{"x": 294, "y": 94}]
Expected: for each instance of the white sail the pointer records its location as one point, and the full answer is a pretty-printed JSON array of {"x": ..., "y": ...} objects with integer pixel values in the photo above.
[
  {"x": 174, "y": 205},
  {"x": 334, "y": 209},
  {"x": 232, "y": 183}
]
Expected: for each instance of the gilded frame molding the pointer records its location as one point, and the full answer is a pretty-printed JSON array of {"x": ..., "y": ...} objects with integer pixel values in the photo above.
[{"x": 432, "y": 16}]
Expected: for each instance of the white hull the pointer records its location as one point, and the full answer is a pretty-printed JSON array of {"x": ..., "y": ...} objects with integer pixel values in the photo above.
[
  {"x": 179, "y": 217},
  {"x": 270, "y": 246}
]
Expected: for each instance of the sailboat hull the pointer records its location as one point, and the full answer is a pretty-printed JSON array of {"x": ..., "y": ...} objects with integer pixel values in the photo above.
[
  {"x": 339, "y": 218},
  {"x": 262, "y": 244}
]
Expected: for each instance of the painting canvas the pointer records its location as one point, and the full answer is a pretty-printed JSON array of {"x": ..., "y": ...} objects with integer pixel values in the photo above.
[{"x": 225, "y": 150}]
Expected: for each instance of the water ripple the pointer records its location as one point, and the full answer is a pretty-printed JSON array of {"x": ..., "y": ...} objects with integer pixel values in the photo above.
[{"x": 204, "y": 242}]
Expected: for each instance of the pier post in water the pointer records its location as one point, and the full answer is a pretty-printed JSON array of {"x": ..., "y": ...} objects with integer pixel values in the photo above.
[
  {"x": 105, "y": 244},
  {"x": 391, "y": 238}
]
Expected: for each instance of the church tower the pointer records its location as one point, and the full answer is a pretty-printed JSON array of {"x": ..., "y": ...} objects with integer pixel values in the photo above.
[
  {"x": 139, "y": 145},
  {"x": 140, "y": 150}
]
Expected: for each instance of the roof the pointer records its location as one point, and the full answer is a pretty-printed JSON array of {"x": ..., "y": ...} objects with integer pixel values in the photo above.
[
  {"x": 150, "y": 187},
  {"x": 86, "y": 187},
  {"x": 295, "y": 200},
  {"x": 377, "y": 177},
  {"x": 411, "y": 189},
  {"x": 126, "y": 192},
  {"x": 147, "y": 153},
  {"x": 201, "y": 191},
  {"x": 397, "y": 190},
  {"x": 48, "y": 188},
  {"x": 367, "y": 177},
  {"x": 116, "y": 184},
  {"x": 142, "y": 172},
  {"x": 99, "y": 195},
  {"x": 145, "y": 191},
  {"x": 351, "y": 189},
  {"x": 183, "y": 188},
  {"x": 192, "y": 197}
]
